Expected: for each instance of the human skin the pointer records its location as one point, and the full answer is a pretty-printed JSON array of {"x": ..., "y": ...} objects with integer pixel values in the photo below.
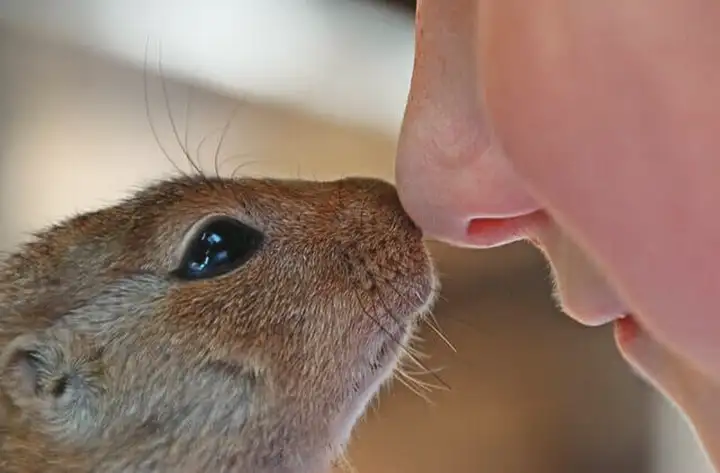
[{"x": 590, "y": 128}]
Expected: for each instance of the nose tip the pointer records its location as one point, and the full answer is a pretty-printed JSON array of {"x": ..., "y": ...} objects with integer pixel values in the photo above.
[
  {"x": 477, "y": 201},
  {"x": 384, "y": 195},
  {"x": 448, "y": 221}
]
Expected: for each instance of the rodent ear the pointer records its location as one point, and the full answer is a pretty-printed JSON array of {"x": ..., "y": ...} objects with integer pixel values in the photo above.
[
  {"x": 35, "y": 368},
  {"x": 55, "y": 378}
]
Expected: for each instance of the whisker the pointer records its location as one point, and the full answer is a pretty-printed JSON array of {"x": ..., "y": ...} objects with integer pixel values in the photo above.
[
  {"x": 166, "y": 96},
  {"x": 204, "y": 139},
  {"x": 417, "y": 355},
  {"x": 397, "y": 342},
  {"x": 404, "y": 365},
  {"x": 149, "y": 115},
  {"x": 463, "y": 322},
  {"x": 431, "y": 313},
  {"x": 222, "y": 138},
  {"x": 188, "y": 105},
  {"x": 421, "y": 373},
  {"x": 417, "y": 360},
  {"x": 435, "y": 328},
  {"x": 414, "y": 342},
  {"x": 429, "y": 387},
  {"x": 376, "y": 321},
  {"x": 235, "y": 170},
  {"x": 401, "y": 376},
  {"x": 432, "y": 323},
  {"x": 201, "y": 142},
  {"x": 390, "y": 314},
  {"x": 412, "y": 388}
]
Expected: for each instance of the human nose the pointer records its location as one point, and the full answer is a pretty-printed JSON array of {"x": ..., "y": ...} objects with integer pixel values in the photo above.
[
  {"x": 452, "y": 178},
  {"x": 472, "y": 199}
]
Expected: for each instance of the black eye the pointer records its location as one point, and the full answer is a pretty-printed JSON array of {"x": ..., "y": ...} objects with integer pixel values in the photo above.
[{"x": 220, "y": 246}]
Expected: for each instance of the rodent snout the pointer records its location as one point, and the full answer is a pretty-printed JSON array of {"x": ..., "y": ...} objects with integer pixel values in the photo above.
[
  {"x": 379, "y": 199},
  {"x": 212, "y": 311},
  {"x": 383, "y": 248}
]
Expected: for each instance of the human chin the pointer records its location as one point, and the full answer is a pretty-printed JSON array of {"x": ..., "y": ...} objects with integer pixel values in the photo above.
[{"x": 581, "y": 291}]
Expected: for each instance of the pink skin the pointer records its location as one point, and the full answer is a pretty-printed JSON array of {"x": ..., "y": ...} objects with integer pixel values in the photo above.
[{"x": 593, "y": 129}]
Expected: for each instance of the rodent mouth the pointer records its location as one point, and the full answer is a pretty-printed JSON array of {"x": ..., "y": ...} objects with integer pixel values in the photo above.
[
  {"x": 388, "y": 352},
  {"x": 383, "y": 357},
  {"x": 380, "y": 366},
  {"x": 393, "y": 342}
]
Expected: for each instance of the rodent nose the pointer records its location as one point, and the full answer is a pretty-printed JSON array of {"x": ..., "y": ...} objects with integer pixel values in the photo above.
[{"x": 383, "y": 195}]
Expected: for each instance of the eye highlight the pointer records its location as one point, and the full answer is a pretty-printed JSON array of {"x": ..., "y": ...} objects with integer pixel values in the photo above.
[{"x": 219, "y": 247}]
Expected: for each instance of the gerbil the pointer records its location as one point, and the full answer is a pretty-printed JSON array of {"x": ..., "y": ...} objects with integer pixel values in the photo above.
[{"x": 207, "y": 325}]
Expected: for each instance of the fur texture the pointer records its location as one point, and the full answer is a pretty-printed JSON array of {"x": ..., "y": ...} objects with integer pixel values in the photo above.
[{"x": 109, "y": 364}]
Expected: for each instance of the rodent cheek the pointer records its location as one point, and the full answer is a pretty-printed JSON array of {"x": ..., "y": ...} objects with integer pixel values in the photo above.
[{"x": 448, "y": 172}]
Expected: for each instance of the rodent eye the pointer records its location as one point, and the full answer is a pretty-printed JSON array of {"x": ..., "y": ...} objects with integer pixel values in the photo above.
[{"x": 220, "y": 246}]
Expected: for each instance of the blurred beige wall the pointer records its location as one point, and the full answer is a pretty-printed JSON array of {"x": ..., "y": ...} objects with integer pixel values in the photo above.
[
  {"x": 75, "y": 134},
  {"x": 532, "y": 391},
  {"x": 349, "y": 60}
]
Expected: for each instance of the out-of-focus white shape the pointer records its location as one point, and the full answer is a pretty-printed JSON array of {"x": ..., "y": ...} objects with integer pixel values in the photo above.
[
  {"x": 75, "y": 135},
  {"x": 675, "y": 445},
  {"x": 341, "y": 59}
]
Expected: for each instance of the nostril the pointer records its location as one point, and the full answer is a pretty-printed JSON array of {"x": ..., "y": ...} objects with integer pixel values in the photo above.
[
  {"x": 488, "y": 232},
  {"x": 482, "y": 225}
]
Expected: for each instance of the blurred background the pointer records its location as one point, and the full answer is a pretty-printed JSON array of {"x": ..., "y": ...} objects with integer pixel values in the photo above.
[{"x": 89, "y": 92}]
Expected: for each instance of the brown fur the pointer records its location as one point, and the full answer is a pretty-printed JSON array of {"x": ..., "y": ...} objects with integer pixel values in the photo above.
[{"x": 258, "y": 371}]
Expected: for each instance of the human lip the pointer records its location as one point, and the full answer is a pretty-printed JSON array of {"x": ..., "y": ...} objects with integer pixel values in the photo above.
[
  {"x": 626, "y": 329},
  {"x": 592, "y": 316},
  {"x": 580, "y": 288}
]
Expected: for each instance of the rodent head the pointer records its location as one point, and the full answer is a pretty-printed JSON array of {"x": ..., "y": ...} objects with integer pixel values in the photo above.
[{"x": 207, "y": 325}]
